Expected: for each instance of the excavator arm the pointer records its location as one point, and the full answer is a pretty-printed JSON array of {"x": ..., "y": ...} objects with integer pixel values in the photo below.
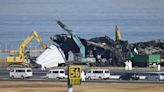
[
  {"x": 75, "y": 38},
  {"x": 21, "y": 52},
  {"x": 83, "y": 58}
]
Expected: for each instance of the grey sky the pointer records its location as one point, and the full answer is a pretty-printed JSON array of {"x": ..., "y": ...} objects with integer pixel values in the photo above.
[
  {"x": 73, "y": 7},
  {"x": 89, "y": 18}
]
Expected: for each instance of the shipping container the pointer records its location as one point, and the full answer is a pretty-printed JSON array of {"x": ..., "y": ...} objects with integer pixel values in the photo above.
[{"x": 144, "y": 60}]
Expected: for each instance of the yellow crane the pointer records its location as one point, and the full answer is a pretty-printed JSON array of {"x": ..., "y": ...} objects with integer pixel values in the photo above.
[
  {"x": 21, "y": 57},
  {"x": 117, "y": 33},
  {"x": 16, "y": 51}
]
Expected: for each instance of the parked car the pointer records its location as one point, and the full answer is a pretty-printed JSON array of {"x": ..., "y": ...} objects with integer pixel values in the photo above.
[
  {"x": 129, "y": 76},
  {"x": 142, "y": 76},
  {"x": 56, "y": 73},
  {"x": 158, "y": 76},
  {"x": 100, "y": 74},
  {"x": 20, "y": 73},
  {"x": 114, "y": 75}
]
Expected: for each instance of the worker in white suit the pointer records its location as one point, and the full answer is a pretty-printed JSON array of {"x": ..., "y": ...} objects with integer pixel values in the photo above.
[
  {"x": 126, "y": 65},
  {"x": 130, "y": 65},
  {"x": 43, "y": 67},
  {"x": 82, "y": 76}
]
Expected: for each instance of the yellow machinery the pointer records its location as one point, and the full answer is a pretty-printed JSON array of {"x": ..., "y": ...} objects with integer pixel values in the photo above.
[
  {"x": 21, "y": 57},
  {"x": 16, "y": 51},
  {"x": 117, "y": 33}
]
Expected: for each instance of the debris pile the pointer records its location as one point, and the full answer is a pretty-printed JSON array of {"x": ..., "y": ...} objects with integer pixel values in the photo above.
[
  {"x": 149, "y": 47},
  {"x": 107, "y": 51}
]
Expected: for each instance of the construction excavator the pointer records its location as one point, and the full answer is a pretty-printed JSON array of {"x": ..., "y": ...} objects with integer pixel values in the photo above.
[
  {"x": 22, "y": 53},
  {"x": 81, "y": 58}
]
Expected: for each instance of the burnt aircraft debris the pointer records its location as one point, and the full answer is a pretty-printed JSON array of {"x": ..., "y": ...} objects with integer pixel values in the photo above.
[{"x": 107, "y": 51}]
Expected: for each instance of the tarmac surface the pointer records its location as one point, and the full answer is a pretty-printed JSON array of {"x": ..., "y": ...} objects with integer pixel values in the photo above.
[{"x": 39, "y": 75}]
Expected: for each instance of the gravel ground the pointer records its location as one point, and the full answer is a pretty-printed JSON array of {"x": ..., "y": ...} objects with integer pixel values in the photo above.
[{"x": 29, "y": 86}]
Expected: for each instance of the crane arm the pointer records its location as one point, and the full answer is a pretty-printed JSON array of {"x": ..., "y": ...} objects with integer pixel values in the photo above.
[
  {"x": 28, "y": 40},
  {"x": 38, "y": 38},
  {"x": 21, "y": 52},
  {"x": 79, "y": 44},
  {"x": 117, "y": 33},
  {"x": 74, "y": 36},
  {"x": 23, "y": 44}
]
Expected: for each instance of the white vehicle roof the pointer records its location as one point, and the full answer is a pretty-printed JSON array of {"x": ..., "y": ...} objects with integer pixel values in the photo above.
[
  {"x": 99, "y": 69},
  {"x": 22, "y": 68},
  {"x": 156, "y": 72},
  {"x": 56, "y": 69}
]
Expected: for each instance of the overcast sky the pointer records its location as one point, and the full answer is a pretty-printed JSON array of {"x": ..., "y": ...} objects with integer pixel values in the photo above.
[
  {"x": 66, "y": 7},
  {"x": 94, "y": 15}
]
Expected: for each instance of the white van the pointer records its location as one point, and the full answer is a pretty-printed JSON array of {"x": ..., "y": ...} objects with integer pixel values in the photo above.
[
  {"x": 158, "y": 76},
  {"x": 21, "y": 73},
  {"x": 100, "y": 74},
  {"x": 56, "y": 73}
]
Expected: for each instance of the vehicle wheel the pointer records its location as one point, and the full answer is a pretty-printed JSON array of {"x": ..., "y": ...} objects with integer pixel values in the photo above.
[
  {"x": 100, "y": 78},
  {"x": 47, "y": 78},
  {"x": 12, "y": 76},
  {"x": 89, "y": 78},
  {"x": 28, "y": 77},
  {"x": 120, "y": 78},
  {"x": 22, "y": 77},
  {"x": 106, "y": 78},
  {"x": 137, "y": 78},
  {"x": 158, "y": 79}
]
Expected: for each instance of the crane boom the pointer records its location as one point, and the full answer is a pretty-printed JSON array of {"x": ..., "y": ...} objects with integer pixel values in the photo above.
[
  {"x": 28, "y": 40},
  {"x": 82, "y": 57},
  {"x": 16, "y": 51},
  {"x": 75, "y": 38},
  {"x": 117, "y": 33}
]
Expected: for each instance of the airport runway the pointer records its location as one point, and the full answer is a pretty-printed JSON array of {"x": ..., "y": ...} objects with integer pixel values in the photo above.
[{"x": 39, "y": 75}]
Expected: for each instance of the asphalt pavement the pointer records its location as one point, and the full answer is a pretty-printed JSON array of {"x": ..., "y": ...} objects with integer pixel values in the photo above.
[{"x": 39, "y": 75}]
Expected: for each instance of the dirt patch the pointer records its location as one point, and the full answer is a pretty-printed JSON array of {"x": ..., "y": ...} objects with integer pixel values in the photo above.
[{"x": 32, "y": 86}]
